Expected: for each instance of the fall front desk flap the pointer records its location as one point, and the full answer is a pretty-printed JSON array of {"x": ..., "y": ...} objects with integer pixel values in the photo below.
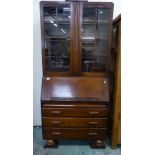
[{"x": 75, "y": 89}]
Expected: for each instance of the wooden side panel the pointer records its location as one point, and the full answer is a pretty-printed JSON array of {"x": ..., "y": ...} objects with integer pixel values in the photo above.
[
  {"x": 119, "y": 133},
  {"x": 116, "y": 129}
]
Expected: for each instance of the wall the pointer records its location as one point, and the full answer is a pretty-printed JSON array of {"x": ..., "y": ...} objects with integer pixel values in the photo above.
[{"x": 37, "y": 62}]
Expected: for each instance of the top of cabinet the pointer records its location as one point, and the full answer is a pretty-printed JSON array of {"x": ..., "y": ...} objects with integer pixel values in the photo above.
[{"x": 47, "y": 3}]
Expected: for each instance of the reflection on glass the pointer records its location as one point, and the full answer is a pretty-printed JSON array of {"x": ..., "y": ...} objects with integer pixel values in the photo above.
[
  {"x": 89, "y": 14},
  {"x": 103, "y": 31},
  {"x": 57, "y": 37},
  {"x": 63, "y": 14},
  {"x": 103, "y": 14},
  {"x": 95, "y": 31},
  {"x": 89, "y": 30},
  {"x": 64, "y": 30}
]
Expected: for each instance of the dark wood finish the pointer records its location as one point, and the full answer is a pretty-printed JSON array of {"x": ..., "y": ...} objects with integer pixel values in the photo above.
[
  {"x": 74, "y": 133},
  {"x": 94, "y": 74},
  {"x": 75, "y": 50},
  {"x": 75, "y": 89},
  {"x": 75, "y": 35},
  {"x": 51, "y": 144},
  {"x": 87, "y": 105},
  {"x": 75, "y": 122},
  {"x": 75, "y": 103},
  {"x": 75, "y": 112},
  {"x": 116, "y": 122},
  {"x": 54, "y": 4},
  {"x": 106, "y": 5},
  {"x": 42, "y": 38},
  {"x": 98, "y": 144}
]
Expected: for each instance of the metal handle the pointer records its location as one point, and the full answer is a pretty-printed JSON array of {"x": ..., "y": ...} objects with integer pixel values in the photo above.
[
  {"x": 93, "y": 133},
  {"x": 92, "y": 123},
  {"x": 56, "y": 133},
  {"x": 56, "y": 122},
  {"x": 93, "y": 112},
  {"x": 56, "y": 112}
]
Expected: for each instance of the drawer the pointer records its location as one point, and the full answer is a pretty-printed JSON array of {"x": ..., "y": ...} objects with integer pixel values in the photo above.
[
  {"x": 74, "y": 122},
  {"x": 74, "y": 133},
  {"x": 73, "y": 112}
]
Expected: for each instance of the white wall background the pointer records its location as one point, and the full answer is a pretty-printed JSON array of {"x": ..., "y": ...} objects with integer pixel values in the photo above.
[{"x": 37, "y": 59}]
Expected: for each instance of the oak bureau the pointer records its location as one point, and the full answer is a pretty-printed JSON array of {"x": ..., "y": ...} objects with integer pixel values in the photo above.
[{"x": 76, "y": 40}]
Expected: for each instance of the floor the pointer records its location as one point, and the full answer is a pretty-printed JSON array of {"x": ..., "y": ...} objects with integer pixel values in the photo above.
[{"x": 69, "y": 147}]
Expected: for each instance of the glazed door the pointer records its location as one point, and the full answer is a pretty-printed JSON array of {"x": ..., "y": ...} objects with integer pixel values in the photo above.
[
  {"x": 56, "y": 28},
  {"x": 95, "y": 37},
  {"x": 75, "y": 37}
]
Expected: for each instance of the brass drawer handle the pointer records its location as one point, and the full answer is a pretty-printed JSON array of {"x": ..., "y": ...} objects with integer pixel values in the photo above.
[
  {"x": 92, "y": 123},
  {"x": 92, "y": 133},
  {"x": 93, "y": 112},
  {"x": 56, "y": 133},
  {"x": 56, "y": 122},
  {"x": 56, "y": 112}
]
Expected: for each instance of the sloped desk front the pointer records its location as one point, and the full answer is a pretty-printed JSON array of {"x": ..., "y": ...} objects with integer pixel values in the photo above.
[{"x": 75, "y": 108}]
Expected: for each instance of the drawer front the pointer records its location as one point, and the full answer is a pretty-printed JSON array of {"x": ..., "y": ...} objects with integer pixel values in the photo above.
[
  {"x": 74, "y": 122},
  {"x": 74, "y": 133},
  {"x": 61, "y": 112}
]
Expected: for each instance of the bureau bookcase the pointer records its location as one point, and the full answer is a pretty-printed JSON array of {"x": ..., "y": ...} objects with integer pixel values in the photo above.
[{"x": 76, "y": 41}]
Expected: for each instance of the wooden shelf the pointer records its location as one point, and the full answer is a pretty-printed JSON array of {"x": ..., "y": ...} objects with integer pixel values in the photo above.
[
  {"x": 58, "y": 57},
  {"x": 95, "y": 22},
  {"x": 58, "y": 22},
  {"x": 57, "y": 37},
  {"x": 93, "y": 39}
]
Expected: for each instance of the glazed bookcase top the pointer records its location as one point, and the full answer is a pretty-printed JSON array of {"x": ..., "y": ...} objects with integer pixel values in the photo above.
[{"x": 76, "y": 37}]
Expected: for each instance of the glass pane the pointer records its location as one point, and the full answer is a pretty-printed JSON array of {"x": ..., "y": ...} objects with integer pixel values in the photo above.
[
  {"x": 103, "y": 31},
  {"x": 57, "y": 54},
  {"x": 64, "y": 14},
  {"x": 103, "y": 14},
  {"x": 89, "y": 30},
  {"x": 57, "y": 37},
  {"x": 64, "y": 30},
  {"x": 50, "y": 30},
  {"x": 95, "y": 36},
  {"x": 89, "y": 14},
  {"x": 50, "y": 14}
]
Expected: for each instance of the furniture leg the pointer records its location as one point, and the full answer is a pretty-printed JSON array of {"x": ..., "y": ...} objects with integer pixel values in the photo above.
[
  {"x": 98, "y": 144},
  {"x": 51, "y": 144}
]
